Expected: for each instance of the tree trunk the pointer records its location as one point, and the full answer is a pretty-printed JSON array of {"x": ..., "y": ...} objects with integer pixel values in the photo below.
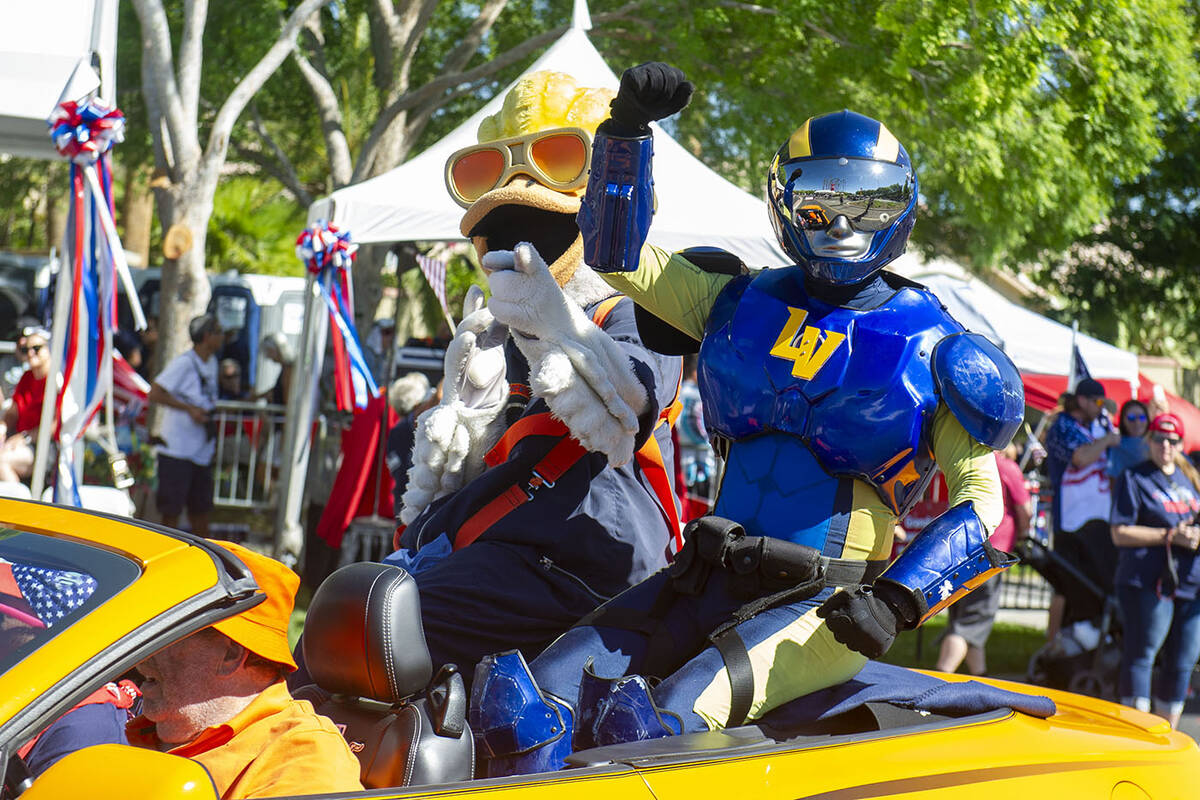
[
  {"x": 368, "y": 285},
  {"x": 184, "y": 289}
]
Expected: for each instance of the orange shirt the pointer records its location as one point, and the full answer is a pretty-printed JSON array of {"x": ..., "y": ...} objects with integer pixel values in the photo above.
[{"x": 276, "y": 746}]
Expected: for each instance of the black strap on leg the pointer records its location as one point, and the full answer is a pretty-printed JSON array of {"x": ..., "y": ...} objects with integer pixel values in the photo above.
[{"x": 741, "y": 675}]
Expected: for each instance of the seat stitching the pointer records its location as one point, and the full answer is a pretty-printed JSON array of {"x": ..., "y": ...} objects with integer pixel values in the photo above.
[
  {"x": 416, "y": 744},
  {"x": 366, "y": 635},
  {"x": 387, "y": 640}
]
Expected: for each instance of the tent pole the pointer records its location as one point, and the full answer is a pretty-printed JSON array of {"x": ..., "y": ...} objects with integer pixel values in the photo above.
[
  {"x": 58, "y": 336},
  {"x": 297, "y": 428}
]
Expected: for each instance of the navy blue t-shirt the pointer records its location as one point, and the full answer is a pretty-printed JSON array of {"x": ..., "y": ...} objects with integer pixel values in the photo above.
[{"x": 1145, "y": 495}]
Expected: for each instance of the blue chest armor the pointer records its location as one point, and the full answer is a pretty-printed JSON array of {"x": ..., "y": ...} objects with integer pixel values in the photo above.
[{"x": 810, "y": 395}]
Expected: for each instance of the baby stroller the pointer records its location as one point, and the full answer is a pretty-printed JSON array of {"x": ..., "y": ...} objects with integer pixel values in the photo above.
[{"x": 1085, "y": 655}]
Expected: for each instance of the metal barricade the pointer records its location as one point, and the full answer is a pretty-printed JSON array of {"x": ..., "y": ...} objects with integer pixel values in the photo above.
[
  {"x": 246, "y": 462},
  {"x": 1022, "y": 587}
]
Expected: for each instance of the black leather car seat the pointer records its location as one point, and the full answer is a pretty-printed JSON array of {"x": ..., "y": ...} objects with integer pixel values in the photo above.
[{"x": 365, "y": 650}]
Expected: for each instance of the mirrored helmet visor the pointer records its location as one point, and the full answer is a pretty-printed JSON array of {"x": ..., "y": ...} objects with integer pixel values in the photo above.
[{"x": 871, "y": 194}]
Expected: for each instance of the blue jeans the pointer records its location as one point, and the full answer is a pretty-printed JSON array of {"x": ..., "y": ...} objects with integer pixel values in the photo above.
[{"x": 1153, "y": 623}]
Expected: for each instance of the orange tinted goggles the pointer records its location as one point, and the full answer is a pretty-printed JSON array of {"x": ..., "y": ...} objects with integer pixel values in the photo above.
[{"x": 556, "y": 158}]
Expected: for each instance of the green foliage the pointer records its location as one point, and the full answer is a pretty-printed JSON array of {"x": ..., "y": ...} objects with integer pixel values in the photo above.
[
  {"x": 253, "y": 229},
  {"x": 1008, "y": 650},
  {"x": 1134, "y": 280},
  {"x": 29, "y": 187},
  {"x": 1020, "y": 116}
]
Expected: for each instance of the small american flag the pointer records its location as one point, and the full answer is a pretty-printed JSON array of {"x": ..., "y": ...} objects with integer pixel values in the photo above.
[{"x": 435, "y": 272}]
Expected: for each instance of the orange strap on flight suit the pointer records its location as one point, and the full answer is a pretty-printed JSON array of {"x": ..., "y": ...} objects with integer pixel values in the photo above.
[{"x": 564, "y": 455}]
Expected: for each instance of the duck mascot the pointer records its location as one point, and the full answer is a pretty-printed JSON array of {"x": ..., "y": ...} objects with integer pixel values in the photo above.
[{"x": 537, "y": 489}]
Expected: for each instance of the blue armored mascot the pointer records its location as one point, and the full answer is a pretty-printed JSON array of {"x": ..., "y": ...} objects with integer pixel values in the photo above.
[{"x": 833, "y": 390}]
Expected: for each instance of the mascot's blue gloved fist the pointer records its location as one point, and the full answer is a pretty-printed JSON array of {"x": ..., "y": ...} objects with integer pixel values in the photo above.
[
  {"x": 648, "y": 92},
  {"x": 868, "y": 618}
]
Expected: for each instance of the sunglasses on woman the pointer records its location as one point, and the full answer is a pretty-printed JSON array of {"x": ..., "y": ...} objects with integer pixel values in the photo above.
[
  {"x": 1135, "y": 417},
  {"x": 32, "y": 348},
  {"x": 556, "y": 158}
]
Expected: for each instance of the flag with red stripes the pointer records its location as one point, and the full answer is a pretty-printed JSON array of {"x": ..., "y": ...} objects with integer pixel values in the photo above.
[{"x": 435, "y": 272}]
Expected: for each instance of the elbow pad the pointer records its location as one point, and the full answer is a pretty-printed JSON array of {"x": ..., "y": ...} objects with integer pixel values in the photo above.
[
  {"x": 618, "y": 205},
  {"x": 947, "y": 559}
]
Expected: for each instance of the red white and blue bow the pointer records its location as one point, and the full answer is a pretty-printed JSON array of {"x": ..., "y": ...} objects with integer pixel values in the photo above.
[
  {"x": 329, "y": 254},
  {"x": 84, "y": 133}
]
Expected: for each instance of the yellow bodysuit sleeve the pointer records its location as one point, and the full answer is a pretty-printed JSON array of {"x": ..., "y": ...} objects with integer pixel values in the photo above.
[
  {"x": 970, "y": 468},
  {"x": 671, "y": 288}
]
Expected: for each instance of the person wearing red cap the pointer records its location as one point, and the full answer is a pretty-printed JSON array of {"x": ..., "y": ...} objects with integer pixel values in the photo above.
[
  {"x": 218, "y": 697},
  {"x": 1158, "y": 574}
]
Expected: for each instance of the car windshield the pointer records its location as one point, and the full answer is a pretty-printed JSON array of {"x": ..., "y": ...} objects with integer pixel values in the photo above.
[{"x": 48, "y": 584}]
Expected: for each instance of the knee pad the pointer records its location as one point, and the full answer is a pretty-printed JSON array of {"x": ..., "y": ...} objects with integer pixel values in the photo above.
[
  {"x": 518, "y": 729},
  {"x": 615, "y": 710}
]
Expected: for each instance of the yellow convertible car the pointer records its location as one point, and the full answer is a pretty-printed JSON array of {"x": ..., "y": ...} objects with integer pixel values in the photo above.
[{"x": 145, "y": 587}]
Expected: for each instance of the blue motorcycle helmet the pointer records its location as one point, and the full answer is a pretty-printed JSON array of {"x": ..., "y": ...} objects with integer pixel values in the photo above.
[{"x": 842, "y": 195}]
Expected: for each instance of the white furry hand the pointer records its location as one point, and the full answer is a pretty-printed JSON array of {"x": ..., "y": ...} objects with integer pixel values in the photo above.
[
  {"x": 474, "y": 365},
  {"x": 584, "y": 376},
  {"x": 525, "y": 296},
  {"x": 447, "y": 453}
]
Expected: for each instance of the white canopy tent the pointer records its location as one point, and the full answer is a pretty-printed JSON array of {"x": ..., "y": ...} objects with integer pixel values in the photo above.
[
  {"x": 1035, "y": 343},
  {"x": 695, "y": 205},
  {"x": 51, "y": 50}
]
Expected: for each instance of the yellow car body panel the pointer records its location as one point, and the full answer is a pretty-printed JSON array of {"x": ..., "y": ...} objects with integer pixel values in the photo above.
[
  {"x": 1089, "y": 748},
  {"x": 172, "y": 571}
]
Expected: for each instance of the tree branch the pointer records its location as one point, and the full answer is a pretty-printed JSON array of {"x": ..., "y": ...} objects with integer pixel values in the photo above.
[
  {"x": 749, "y": 7},
  {"x": 413, "y": 24},
  {"x": 429, "y": 93},
  {"x": 231, "y": 109},
  {"x": 285, "y": 172},
  {"x": 384, "y": 41},
  {"x": 191, "y": 57},
  {"x": 461, "y": 55},
  {"x": 272, "y": 167},
  {"x": 337, "y": 149},
  {"x": 160, "y": 84}
]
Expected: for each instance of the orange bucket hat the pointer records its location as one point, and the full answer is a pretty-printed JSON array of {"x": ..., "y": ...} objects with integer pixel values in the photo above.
[{"x": 263, "y": 630}]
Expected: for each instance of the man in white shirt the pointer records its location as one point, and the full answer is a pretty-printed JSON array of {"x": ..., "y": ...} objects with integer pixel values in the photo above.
[{"x": 188, "y": 390}]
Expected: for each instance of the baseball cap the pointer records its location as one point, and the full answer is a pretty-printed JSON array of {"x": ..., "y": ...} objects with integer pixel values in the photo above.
[
  {"x": 1167, "y": 423},
  {"x": 1089, "y": 387},
  {"x": 263, "y": 630}
]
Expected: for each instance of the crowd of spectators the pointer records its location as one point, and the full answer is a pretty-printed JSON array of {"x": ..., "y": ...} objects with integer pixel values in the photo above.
[{"x": 1124, "y": 513}]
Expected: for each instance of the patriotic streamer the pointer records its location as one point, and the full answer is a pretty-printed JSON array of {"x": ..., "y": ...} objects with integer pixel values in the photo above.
[
  {"x": 84, "y": 133},
  {"x": 329, "y": 254}
]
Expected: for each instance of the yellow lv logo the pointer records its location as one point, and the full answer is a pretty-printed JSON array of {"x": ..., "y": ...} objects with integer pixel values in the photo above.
[{"x": 808, "y": 356}]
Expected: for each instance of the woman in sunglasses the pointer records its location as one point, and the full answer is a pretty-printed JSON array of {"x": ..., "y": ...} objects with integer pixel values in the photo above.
[
  {"x": 1132, "y": 422},
  {"x": 1158, "y": 575},
  {"x": 23, "y": 411}
]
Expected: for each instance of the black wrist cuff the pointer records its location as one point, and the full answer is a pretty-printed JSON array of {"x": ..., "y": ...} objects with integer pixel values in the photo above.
[
  {"x": 901, "y": 600},
  {"x": 623, "y": 129}
]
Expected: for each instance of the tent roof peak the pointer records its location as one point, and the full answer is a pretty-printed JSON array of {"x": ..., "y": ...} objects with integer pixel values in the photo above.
[{"x": 580, "y": 18}]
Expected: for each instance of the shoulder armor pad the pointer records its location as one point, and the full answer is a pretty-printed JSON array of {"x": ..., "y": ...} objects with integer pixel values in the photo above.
[
  {"x": 715, "y": 260},
  {"x": 981, "y": 387}
]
